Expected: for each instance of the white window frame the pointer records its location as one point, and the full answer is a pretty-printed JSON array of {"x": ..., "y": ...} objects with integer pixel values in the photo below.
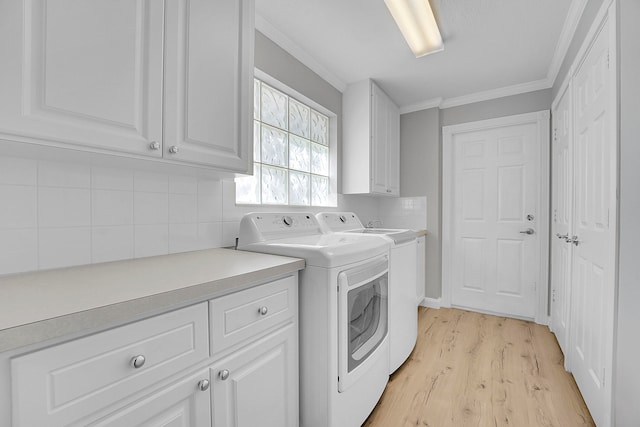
[{"x": 332, "y": 199}]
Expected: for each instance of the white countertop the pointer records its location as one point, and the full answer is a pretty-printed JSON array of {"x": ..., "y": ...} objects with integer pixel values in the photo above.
[{"x": 42, "y": 305}]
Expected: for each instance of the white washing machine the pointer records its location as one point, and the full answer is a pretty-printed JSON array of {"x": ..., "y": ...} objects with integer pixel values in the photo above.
[
  {"x": 343, "y": 303},
  {"x": 403, "y": 313}
]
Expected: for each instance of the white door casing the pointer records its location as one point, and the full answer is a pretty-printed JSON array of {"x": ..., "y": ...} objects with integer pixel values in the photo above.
[
  {"x": 561, "y": 219},
  {"x": 594, "y": 219},
  {"x": 495, "y": 174}
]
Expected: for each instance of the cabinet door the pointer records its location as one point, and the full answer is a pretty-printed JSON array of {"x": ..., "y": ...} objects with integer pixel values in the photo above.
[
  {"x": 209, "y": 82},
  {"x": 258, "y": 386},
  {"x": 183, "y": 404},
  {"x": 393, "y": 149},
  {"x": 85, "y": 73},
  {"x": 379, "y": 150}
]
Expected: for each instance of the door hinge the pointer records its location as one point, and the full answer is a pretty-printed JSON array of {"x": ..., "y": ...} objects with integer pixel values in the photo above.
[
  {"x": 555, "y": 134},
  {"x": 603, "y": 376},
  {"x": 608, "y": 65}
]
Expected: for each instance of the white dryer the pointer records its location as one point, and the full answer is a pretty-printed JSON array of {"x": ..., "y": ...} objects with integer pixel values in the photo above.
[
  {"x": 403, "y": 313},
  {"x": 344, "y": 346}
]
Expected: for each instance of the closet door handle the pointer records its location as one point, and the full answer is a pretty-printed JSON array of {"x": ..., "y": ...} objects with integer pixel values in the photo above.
[
  {"x": 562, "y": 236},
  {"x": 528, "y": 231}
]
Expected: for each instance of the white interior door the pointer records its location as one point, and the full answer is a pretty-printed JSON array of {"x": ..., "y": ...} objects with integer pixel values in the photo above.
[
  {"x": 593, "y": 274},
  {"x": 494, "y": 262},
  {"x": 561, "y": 208}
]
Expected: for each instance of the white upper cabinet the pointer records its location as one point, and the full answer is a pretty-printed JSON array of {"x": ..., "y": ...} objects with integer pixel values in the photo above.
[
  {"x": 371, "y": 141},
  {"x": 209, "y": 82},
  {"x": 92, "y": 76}
]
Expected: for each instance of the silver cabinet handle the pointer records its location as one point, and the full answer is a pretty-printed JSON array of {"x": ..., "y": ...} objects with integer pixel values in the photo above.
[
  {"x": 174, "y": 149},
  {"x": 155, "y": 145},
  {"x": 203, "y": 385},
  {"x": 263, "y": 310},
  {"x": 528, "y": 231},
  {"x": 224, "y": 374},
  {"x": 137, "y": 361},
  {"x": 562, "y": 236}
]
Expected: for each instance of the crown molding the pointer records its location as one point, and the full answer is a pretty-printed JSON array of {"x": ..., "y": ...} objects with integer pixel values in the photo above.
[
  {"x": 297, "y": 52},
  {"x": 576, "y": 8},
  {"x": 496, "y": 93}
]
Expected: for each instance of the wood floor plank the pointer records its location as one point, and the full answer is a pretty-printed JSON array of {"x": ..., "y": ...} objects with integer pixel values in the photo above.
[{"x": 472, "y": 369}]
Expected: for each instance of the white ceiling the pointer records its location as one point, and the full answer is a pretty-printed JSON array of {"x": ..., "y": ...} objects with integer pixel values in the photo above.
[{"x": 492, "y": 47}]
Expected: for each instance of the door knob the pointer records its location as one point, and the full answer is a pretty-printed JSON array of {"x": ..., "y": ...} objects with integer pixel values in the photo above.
[
  {"x": 562, "y": 236},
  {"x": 574, "y": 240},
  {"x": 528, "y": 231}
]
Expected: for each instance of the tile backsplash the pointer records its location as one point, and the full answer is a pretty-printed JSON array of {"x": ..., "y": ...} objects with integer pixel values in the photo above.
[{"x": 55, "y": 214}]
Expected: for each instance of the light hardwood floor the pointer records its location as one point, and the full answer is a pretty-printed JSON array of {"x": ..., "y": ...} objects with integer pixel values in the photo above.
[{"x": 471, "y": 369}]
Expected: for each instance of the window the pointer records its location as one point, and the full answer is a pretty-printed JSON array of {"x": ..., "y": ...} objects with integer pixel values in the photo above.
[{"x": 291, "y": 152}]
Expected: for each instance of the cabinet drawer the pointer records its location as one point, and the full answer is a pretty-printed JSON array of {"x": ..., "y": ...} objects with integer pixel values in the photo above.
[
  {"x": 239, "y": 316},
  {"x": 64, "y": 383}
]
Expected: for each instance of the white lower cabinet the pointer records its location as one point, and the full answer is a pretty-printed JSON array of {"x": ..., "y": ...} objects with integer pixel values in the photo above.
[
  {"x": 173, "y": 369},
  {"x": 258, "y": 386},
  {"x": 187, "y": 403}
]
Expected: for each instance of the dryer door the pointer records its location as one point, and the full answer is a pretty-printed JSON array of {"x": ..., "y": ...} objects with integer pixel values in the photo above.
[{"x": 362, "y": 319}]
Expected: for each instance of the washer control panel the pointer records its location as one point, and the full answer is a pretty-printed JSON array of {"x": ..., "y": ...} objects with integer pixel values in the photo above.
[{"x": 267, "y": 226}]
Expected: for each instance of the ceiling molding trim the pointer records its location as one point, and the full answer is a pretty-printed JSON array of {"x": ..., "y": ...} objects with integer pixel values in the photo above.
[
  {"x": 576, "y": 8},
  {"x": 431, "y": 103},
  {"x": 297, "y": 52},
  {"x": 496, "y": 93}
]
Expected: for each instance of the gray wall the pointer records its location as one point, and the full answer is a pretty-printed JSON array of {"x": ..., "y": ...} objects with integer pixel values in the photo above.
[
  {"x": 420, "y": 159},
  {"x": 627, "y": 375},
  {"x": 279, "y": 64},
  {"x": 500, "y": 107}
]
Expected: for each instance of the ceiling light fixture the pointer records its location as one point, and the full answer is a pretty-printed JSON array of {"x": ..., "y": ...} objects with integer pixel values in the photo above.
[{"x": 417, "y": 24}]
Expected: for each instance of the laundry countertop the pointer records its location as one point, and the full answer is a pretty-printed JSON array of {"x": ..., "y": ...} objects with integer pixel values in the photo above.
[{"x": 42, "y": 305}]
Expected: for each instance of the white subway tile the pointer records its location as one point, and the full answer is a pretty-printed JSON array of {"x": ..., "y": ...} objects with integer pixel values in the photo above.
[
  {"x": 64, "y": 246},
  {"x": 111, "y": 207},
  {"x": 183, "y": 237},
  {"x": 183, "y": 184},
  {"x": 230, "y": 231},
  {"x": 18, "y": 171},
  {"x": 183, "y": 208},
  {"x": 64, "y": 207},
  {"x": 71, "y": 175},
  {"x": 151, "y": 240},
  {"x": 18, "y": 250},
  {"x": 19, "y": 206},
  {"x": 111, "y": 179},
  {"x": 209, "y": 201},
  {"x": 210, "y": 235},
  {"x": 150, "y": 182},
  {"x": 111, "y": 243},
  {"x": 150, "y": 208}
]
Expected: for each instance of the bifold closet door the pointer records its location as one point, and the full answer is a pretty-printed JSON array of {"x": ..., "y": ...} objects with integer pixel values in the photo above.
[
  {"x": 593, "y": 237},
  {"x": 561, "y": 208}
]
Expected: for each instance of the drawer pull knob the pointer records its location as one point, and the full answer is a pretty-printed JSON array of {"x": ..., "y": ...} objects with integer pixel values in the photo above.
[
  {"x": 138, "y": 361},
  {"x": 263, "y": 310},
  {"x": 174, "y": 149},
  {"x": 155, "y": 145},
  {"x": 224, "y": 374},
  {"x": 203, "y": 385}
]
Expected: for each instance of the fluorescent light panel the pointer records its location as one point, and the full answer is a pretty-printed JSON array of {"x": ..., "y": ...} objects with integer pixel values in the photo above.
[{"x": 417, "y": 24}]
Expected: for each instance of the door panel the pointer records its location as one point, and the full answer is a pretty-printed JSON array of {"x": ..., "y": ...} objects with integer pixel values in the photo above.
[
  {"x": 561, "y": 206},
  {"x": 495, "y": 189},
  {"x": 593, "y": 275}
]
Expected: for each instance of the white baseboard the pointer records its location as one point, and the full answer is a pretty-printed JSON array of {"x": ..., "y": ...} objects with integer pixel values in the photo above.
[{"x": 430, "y": 302}]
